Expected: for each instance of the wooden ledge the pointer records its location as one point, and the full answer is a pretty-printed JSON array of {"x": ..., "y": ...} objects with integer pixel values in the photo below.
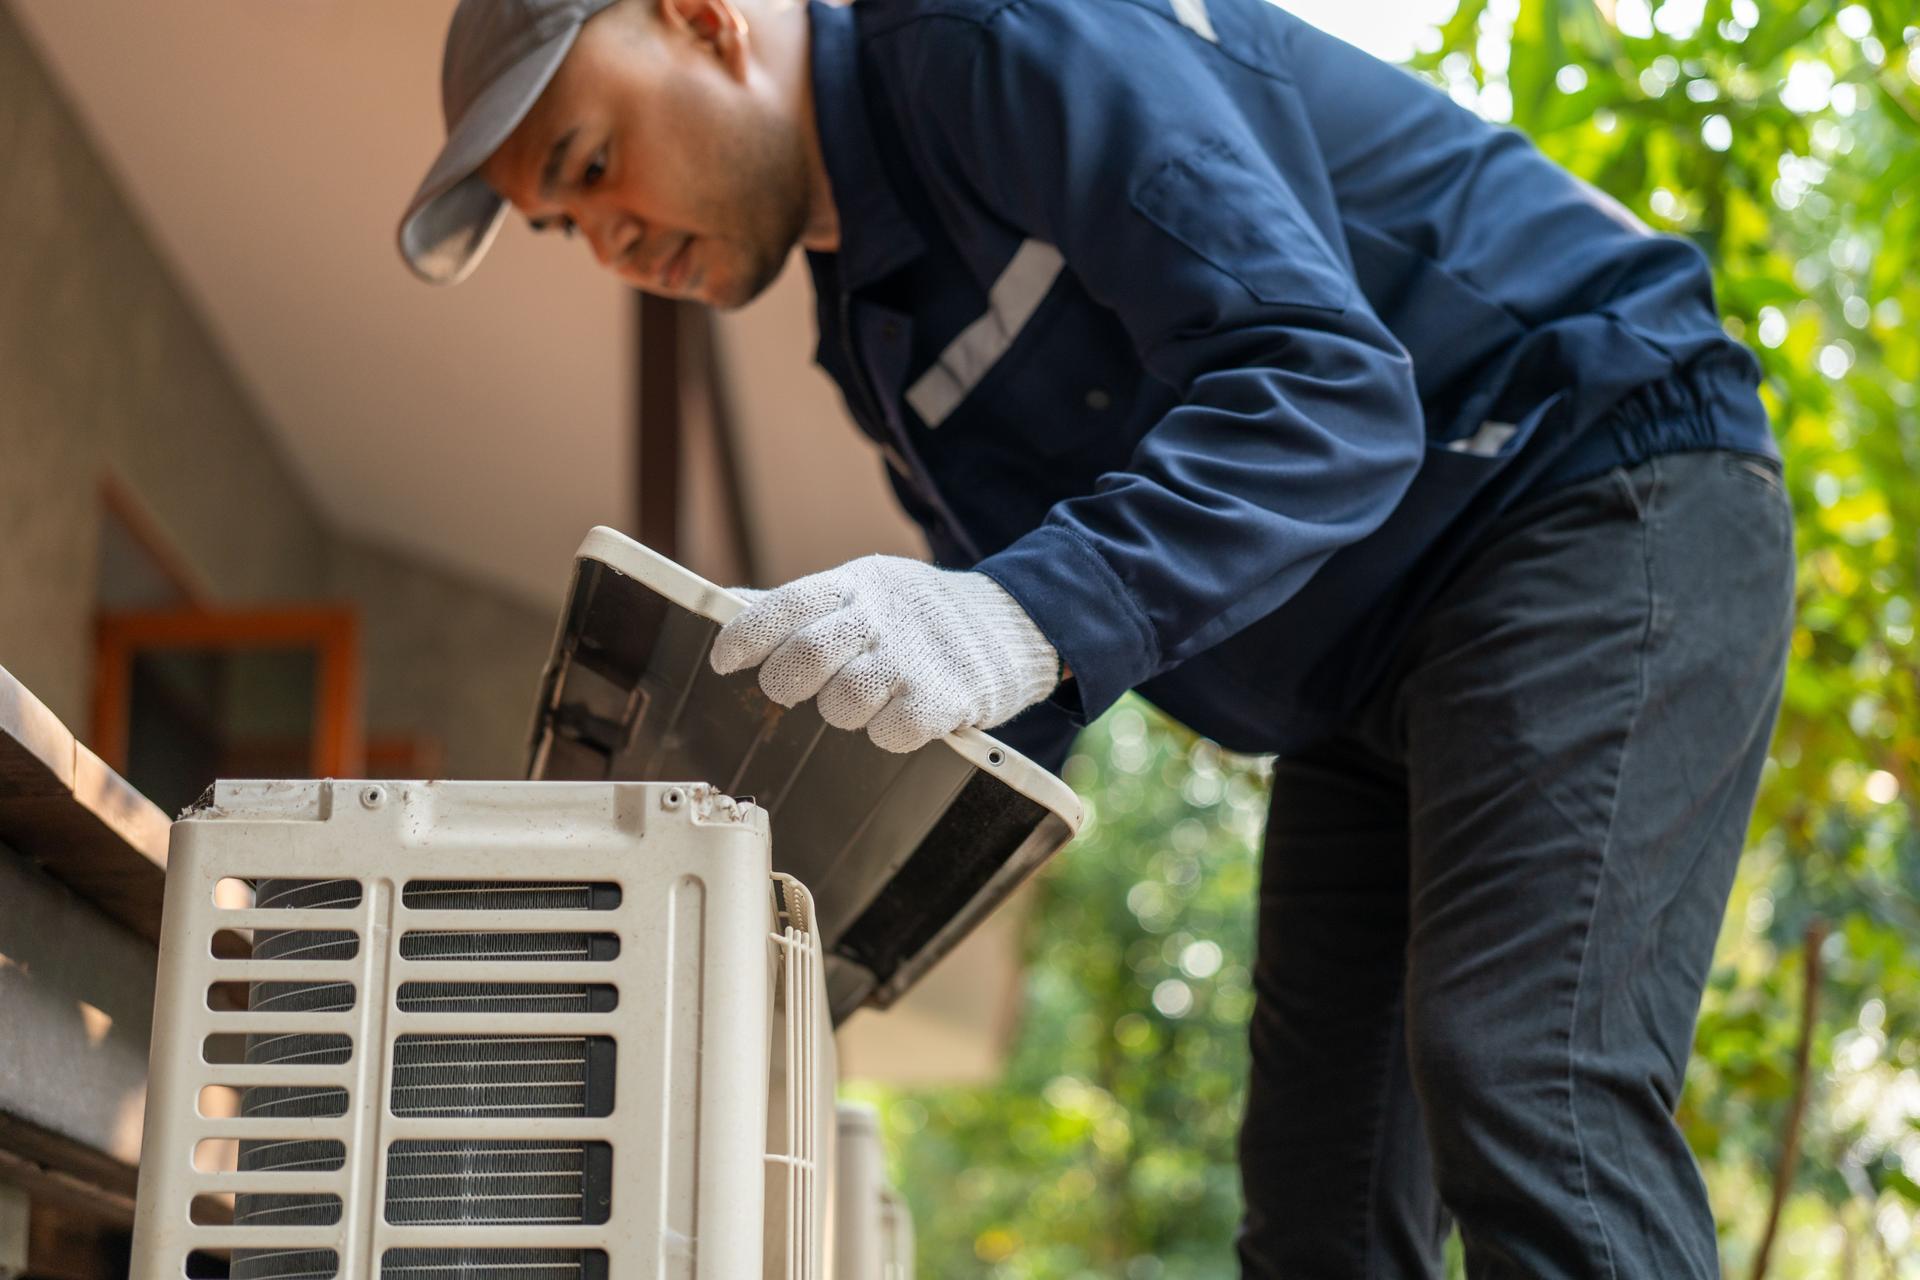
[{"x": 61, "y": 806}]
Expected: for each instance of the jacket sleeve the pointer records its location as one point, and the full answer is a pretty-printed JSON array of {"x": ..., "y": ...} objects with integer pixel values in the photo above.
[{"x": 1105, "y": 131}]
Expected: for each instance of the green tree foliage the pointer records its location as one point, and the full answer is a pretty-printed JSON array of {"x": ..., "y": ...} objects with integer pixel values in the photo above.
[
  {"x": 1784, "y": 139},
  {"x": 1107, "y": 1148}
]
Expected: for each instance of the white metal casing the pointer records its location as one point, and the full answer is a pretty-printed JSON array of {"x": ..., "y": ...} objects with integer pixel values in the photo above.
[
  {"x": 715, "y": 963},
  {"x": 896, "y": 1235},
  {"x": 872, "y": 1227}
]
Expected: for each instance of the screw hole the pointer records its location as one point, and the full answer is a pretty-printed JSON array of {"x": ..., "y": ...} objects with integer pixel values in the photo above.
[
  {"x": 995, "y": 757},
  {"x": 373, "y": 797}
]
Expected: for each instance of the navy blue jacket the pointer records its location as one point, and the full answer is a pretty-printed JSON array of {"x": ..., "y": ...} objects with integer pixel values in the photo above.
[{"x": 1218, "y": 343}]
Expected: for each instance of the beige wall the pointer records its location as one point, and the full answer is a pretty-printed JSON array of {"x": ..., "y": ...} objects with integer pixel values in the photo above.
[
  {"x": 447, "y": 657},
  {"x": 106, "y": 369}
]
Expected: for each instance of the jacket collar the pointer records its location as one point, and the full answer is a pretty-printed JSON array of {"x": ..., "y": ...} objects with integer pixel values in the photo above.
[{"x": 877, "y": 237}]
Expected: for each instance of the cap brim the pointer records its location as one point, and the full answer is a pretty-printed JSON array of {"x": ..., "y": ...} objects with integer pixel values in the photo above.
[{"x": 455, "y": 215}]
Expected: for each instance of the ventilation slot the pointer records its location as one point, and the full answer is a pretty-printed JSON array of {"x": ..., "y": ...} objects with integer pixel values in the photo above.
[
  {"x": 222, "y": 1155},
  {"x": 497, "y": 948},
  {"x": 282, "y": 997},
  {"x": 315, "y": 1264},
  {"x": 312, "y": 1050},
  {"x": 503, "y": 1077},
  {"x": 269, "y": 1211},
  {"x": 500, "y": 997},
  {"x": 289, "y": 1264},
  {"x": 265, "y": 944},
  {"x": 288, "y": 895},
  {"x": 493, "y": 1264},
  {"x": 504, "y": 895},
  {"x": 548, "y": 1183}
]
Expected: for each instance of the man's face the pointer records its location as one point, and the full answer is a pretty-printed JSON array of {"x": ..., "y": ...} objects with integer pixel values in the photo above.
[{"x": 661, "y": 145}]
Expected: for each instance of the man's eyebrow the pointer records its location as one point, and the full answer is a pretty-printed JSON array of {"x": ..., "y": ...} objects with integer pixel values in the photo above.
[{"x": 556, "y": 160}]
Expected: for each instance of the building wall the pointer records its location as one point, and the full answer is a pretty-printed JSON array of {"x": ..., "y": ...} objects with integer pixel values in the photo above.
[
  {"x": 107, "y": 370},
  {"x": 446, "y": 657},
  {"x": 104, "y": 368}
]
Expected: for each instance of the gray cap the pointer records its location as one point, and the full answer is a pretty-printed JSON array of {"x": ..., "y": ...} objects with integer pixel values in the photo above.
[{"x": 500, "y": 56}]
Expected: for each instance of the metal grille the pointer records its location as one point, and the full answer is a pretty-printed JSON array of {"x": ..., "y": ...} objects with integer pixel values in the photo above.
[
  {"x": 454, "y": 1182},
  {"x": 492, "y": 1264},
  {"x": 525, "y": 1182},
  {"x": 800, "y": 1092}
]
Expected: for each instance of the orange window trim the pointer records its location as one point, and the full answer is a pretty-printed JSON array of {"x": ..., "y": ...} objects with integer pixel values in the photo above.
[{"x": 339, "y": 741}]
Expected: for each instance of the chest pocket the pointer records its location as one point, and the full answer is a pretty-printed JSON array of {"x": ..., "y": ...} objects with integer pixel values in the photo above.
[{"x": 1248, "y": 224}]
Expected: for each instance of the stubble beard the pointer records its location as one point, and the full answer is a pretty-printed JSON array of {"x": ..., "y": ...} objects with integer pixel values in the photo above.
[{"x": 773, "y": 194}]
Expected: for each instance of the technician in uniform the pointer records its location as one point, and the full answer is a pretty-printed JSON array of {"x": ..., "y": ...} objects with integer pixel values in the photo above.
[{"x": 1223, "y": 362}]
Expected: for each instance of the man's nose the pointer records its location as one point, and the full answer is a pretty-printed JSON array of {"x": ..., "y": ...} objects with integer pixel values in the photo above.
[{"x": 612, "y": 237}]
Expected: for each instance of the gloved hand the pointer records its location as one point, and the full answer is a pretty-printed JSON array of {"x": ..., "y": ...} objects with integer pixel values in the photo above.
[{"x": 904, "y": 649}]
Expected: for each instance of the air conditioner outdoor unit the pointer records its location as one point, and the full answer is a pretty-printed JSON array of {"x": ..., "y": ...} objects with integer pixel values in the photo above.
[
  {"x": 579, "y": 1026},
  {"x": 431, "y": 1030},
  {"x": 872, "y": 1228}
]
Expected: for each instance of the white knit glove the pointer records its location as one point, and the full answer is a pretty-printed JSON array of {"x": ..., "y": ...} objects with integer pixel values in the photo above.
[{"x": 904, "y": 649}]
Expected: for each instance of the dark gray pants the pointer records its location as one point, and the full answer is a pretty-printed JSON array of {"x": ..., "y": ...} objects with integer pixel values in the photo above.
[{"x": 1487, "y": 912}]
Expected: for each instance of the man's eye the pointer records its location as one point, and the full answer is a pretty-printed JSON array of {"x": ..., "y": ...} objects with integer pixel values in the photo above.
[{"x": 596, "y": 169}]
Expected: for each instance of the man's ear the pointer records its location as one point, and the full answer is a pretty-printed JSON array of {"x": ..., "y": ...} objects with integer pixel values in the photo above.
[{"x": 718, "y": 24}]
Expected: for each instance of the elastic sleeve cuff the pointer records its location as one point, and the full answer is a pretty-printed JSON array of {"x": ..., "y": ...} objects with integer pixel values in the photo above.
[{"x": 1076, "y": 599}]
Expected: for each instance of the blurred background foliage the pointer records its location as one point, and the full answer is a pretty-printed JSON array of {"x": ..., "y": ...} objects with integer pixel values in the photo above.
[{"x": 1784, "y": 139}]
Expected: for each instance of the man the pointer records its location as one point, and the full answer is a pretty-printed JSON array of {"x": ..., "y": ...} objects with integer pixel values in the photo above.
[{"x": 1224, "y": 362}]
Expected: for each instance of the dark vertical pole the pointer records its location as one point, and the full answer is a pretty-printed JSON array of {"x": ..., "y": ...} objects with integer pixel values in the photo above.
[
  {"x": 706, "y": 348},
  {"x": 658, "y": 429}
]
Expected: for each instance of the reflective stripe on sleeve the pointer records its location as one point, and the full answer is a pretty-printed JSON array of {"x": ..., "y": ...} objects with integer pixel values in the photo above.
[
  {"x": 1487, "y": 441},
  {"x": 1193, "y": 16}
]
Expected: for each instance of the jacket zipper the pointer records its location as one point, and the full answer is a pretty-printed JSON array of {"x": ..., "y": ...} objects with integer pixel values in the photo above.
[{"x": 904, "y": 452}]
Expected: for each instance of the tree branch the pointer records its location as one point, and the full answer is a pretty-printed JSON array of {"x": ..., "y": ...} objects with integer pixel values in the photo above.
[{"x": 1796, "y": 1111}]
